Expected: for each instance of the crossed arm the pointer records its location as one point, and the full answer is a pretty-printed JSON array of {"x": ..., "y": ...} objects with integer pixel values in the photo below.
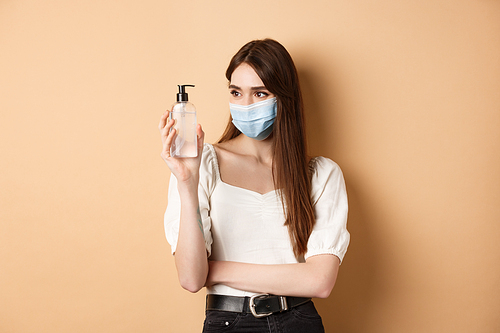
[{"x": 314, "y": 278}]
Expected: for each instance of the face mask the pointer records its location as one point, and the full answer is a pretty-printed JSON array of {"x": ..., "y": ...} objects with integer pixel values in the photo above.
[{"x": 255, "y": 120}]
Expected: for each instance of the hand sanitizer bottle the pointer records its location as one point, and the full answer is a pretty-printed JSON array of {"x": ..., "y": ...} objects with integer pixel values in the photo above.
[{"x": 184, "y": 113}]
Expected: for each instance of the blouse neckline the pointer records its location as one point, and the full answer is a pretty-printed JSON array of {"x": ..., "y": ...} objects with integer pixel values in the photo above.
[{"x": 219, "y": 178}]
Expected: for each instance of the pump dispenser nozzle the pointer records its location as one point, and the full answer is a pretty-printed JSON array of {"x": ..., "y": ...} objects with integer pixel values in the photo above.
[{"x": 182, "y": 96}]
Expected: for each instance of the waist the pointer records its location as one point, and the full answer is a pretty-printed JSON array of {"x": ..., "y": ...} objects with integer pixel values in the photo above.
[
  {"x": 222, "y": 289},
  {"x": 260, "y": 305}
]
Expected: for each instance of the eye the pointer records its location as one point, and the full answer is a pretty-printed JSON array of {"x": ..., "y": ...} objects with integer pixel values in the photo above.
[
  {"x": 235, "y": 93},
  {"x": 261, "y": 94}
]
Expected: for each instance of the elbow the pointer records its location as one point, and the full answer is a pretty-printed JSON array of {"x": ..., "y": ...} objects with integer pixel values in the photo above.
[
  {"x": 324, "y": 287},
  {"x": 323, "y": 292},
  {"x": 191, "y": 285},
  {"x": 191, "y": 288},
  {"x": 192, "y": 281},
  {"x": 192, "y": 276},
  {"x": 324, "y": 275}
]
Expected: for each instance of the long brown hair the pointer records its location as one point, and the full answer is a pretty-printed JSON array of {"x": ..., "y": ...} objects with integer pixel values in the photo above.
[{"x": 275, "y": 67}]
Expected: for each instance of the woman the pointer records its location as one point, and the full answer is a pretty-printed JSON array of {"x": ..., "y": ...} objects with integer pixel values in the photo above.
[{"x": 252, "y": 218}]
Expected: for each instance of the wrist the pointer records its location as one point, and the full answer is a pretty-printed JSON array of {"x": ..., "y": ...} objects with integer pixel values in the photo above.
[
  {"x": 188, "y": 186},
  {"x": 212, "y": 272},
  {"x": 219, "y": 272}
]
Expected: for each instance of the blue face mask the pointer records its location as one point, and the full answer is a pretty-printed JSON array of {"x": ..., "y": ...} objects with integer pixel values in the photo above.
[{"x": 255, "y": 120}]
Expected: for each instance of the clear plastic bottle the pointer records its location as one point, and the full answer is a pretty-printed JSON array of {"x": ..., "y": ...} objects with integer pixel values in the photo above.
[{"x": 184, "y": 113}]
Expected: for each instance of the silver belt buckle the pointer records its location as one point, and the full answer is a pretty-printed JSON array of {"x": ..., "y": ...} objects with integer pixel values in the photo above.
[{"x": 252, "y": 306}]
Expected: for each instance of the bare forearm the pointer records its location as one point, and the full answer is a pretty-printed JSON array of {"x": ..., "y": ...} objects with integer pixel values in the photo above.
[
  {"x": 315, "y": 278},
  {"x": 191, "y": 255}
]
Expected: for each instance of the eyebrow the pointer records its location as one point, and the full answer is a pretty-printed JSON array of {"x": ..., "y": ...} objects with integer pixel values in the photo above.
[{"x": 232, "y": 86}]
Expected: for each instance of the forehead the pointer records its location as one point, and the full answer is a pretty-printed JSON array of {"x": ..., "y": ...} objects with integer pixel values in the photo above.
[{"x": 245, "y": 76}]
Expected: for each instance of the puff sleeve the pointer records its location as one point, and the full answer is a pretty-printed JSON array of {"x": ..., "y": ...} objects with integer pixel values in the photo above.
[
  {"x": 205, "y": 187},
  {"x": 329, "y": 197}
]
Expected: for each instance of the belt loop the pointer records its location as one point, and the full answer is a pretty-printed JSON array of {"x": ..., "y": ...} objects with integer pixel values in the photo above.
[
  {"x": 246, "y": 301},
  {"x": 283, "y": 304}
]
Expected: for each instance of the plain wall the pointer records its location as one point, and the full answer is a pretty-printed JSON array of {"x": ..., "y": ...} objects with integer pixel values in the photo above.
[{"x": 403, "y": 95}]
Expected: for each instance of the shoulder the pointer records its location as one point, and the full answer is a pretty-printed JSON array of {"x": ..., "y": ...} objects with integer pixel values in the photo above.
[
  {"x": 325, "y": 175},
  {"x": 209, "y": 166},
  {"x": 208, "y": 151},
  {"x": 322, "y": 166}
]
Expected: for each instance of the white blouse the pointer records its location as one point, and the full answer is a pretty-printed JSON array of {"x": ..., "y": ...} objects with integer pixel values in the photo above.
[{"x": 245, "y": 226}]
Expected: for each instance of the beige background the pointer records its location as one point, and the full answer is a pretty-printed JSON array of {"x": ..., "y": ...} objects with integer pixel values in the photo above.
[{"x": 404, "y": 95}]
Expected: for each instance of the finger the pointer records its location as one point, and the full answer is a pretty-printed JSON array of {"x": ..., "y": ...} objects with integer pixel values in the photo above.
[
  {"x": 168, "y": 141},
  {"x": 165, "y": 131},
  {"x": 163, "y": 120},
  {"x": 199, "y": 132},
  {"x": 201, "y": 138}
]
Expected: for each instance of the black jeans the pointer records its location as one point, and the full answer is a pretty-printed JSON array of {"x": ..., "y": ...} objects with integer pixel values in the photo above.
[{"x": 300, "y": 319}]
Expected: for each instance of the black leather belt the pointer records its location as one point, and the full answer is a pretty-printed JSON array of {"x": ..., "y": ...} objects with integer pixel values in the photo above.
[{"x": 261, "y": 305}]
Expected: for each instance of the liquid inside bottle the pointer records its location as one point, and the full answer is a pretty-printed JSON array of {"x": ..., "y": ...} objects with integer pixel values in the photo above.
[{"x": 185, "y": 141}]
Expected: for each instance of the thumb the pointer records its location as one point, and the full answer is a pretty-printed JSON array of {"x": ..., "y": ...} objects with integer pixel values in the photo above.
[{"x": 201, "y": 138}]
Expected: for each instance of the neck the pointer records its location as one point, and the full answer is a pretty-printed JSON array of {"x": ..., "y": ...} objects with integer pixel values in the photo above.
[{"x": 262, "y": 150}]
